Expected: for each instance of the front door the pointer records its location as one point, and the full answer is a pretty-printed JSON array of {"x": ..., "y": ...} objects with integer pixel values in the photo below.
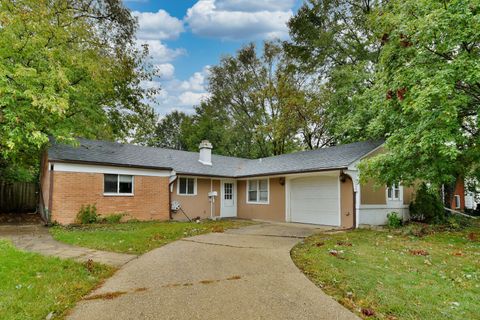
[{"x": 229, "y": 199}]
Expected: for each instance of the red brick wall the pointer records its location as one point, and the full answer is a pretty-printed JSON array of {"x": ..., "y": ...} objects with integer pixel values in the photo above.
[
  {"x": 460, "y": 191},
  {"x": 71, "y": 190}
]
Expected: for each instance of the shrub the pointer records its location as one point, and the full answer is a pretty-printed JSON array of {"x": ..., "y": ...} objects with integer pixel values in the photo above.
[
  {"x": 394, "y": 220},
  {"x": 417, "y": 229},
  {"x": 427, "y": 206},
  {"x": 87, "y": 214}
]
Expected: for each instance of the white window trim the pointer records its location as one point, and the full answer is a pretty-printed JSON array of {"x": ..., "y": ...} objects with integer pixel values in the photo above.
[
  {"x": 400, "y": 193},
  {"x": 457, "y": 197},
  {"x": 118, "y": 194},
  {"x": 258, "y": 191},
  {"x": 194, "y": 186}
]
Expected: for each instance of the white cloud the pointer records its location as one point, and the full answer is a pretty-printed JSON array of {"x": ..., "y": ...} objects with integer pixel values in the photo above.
[
  {"x": 165, "y": 70},
  {"x": 159, "y": 52},
  {"x": 158, "y": 25},
  {"x": 180, "y": 95},
  {"x": 192, "y": 98},
  {"x": 197, "y": 81},
  {"x": 224, "y": 19}
]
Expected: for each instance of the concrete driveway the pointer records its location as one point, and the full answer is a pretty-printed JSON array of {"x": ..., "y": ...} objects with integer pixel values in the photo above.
[{"x": 240, "y": 274}]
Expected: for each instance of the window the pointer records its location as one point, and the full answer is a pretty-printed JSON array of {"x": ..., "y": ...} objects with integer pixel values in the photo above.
[
  {"x": 393, "y": 192},
  {"x": 228, "y": 191},
  {"x": 457, "y": 201},
  {"x": 257, "y": 191},
  {"x": 117, "y": 184},
  {"x": 186, "y": 186}
]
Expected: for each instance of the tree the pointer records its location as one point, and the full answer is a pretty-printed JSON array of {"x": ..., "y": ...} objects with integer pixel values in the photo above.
[
  {"x": 169, "y": 133},
  {"x": 270, "y": 106},
  {"x": 67, "y": 69},
  {"x": 332, "y": 40},
  {"x": 426, "y": 96}
]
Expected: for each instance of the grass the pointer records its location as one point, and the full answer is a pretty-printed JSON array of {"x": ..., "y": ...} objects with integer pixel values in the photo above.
[
  {"x": 137, "y": 237},
  {"x": 396, "y": 275},
  {"x": 33, "y": 286}
]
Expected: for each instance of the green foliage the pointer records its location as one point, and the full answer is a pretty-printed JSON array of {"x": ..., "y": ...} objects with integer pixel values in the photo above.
[
  {"x": 169, "y": 132},
  {"x": 67, "y": 69},
  {"x": 260, "y": 105},
  {"x": 403, "y": 71},
  {"x": 332, "y": 40},
  {"x": 426, "y": 93},
  {"x": 87, "y": 214},
  {"x": 427, "y": 206},
  {"x": 394, "y": 221}
]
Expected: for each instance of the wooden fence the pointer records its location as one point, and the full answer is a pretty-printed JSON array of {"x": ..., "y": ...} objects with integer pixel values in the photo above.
[{"x": 18, "y": 196}]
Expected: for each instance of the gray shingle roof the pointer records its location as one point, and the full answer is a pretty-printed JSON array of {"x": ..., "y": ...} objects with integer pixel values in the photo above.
[{"x": 184, "y": 162}]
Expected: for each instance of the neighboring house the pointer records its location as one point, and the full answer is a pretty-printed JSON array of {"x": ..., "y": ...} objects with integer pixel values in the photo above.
[
  {"x": 472, "y": 197},
  {"x": 317, "y": 187}
]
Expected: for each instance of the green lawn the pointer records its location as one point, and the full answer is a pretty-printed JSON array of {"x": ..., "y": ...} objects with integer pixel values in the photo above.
[
  {"x": 33, "y": 286},
  {"x": 396, "y": 275},
  {"x": 137, "y": 237}
]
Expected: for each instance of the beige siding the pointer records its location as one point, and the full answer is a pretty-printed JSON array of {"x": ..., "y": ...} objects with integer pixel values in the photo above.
[
  {"x": 71, "y": 190},
  {"x": 371, "y": 194},
  {"x": 408, "y": 193},
  {"x": 197, "y": 205},
  {"x": 274, "y": 211}
]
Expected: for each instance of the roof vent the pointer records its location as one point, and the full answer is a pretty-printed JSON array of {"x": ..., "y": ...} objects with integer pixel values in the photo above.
[{"x": 205, "y": 152}]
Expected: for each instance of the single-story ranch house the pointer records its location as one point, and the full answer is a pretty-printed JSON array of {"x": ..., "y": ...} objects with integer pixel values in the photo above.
[{"x": 317, "y": 187}]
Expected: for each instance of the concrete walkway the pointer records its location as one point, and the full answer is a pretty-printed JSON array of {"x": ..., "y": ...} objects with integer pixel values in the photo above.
[
  {"x": 36, "y": 238},
  {"x": 245, "y": 273}
]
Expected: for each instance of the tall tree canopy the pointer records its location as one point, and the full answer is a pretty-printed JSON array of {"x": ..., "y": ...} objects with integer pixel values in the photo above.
[
  {"x": 67, "y": 68},
  {"x": 406, "y": 71},
  {"x": 332, "y": 40},
  {"x": 426, "y": 96},
  {"x": 259, "y": 105}
]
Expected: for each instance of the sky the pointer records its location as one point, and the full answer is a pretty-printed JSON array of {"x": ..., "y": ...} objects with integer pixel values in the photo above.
[{"x": 186, "y": 37}]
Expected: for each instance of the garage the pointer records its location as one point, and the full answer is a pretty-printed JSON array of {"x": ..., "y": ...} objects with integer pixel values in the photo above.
[{"x": 315, "y": 200}]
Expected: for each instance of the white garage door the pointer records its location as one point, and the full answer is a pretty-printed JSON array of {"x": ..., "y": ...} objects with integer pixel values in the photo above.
[{"x": 315, "y": 200}]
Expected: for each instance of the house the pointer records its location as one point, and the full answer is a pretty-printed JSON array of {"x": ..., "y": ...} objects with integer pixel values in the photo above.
[{"x": 317, "y": 187}]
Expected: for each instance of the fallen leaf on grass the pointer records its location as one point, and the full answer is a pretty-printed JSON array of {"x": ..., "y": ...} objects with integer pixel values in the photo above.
[
  {"x": 336, "y": 253},
  {"x": 458, "y": 253},
  {"x": 473, "y": 236},
  {"x": 418, "y": 252},
  {"x": 368, "y": 312}
]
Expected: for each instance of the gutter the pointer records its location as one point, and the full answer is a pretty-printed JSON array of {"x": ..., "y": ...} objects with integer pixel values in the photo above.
[{"x": 110, "y": 164}]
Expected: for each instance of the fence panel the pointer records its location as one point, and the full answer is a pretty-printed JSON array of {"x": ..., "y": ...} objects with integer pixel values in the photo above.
[{"x": 18, "y": 196}]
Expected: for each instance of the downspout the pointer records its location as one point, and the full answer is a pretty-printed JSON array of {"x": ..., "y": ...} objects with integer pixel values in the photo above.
[
  {"x": 50, "y": 194},
  {"x": 171, "y": 180}
]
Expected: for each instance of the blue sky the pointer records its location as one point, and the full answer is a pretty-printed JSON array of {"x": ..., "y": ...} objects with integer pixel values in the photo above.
[{"x": 186, "y": 37}]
